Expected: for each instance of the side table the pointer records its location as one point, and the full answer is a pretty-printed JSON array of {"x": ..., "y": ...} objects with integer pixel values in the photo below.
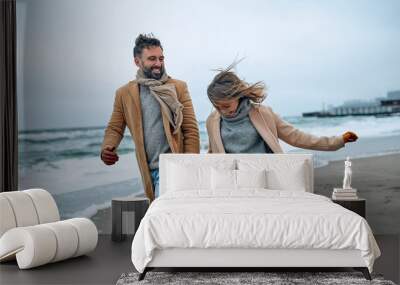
[
  {"x": 138, "y": 205},
  {"x": 357, "y": 205}
]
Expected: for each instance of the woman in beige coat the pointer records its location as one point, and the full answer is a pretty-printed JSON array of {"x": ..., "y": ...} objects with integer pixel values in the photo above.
[{"x": 240, "y": 124}]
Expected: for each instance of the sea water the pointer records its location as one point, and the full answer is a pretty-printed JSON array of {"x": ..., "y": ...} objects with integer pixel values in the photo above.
[{"x": 67, "y": 163}]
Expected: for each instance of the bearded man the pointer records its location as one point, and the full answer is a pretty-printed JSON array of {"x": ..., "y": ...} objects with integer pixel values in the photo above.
[{"x": 158, "y": 111}]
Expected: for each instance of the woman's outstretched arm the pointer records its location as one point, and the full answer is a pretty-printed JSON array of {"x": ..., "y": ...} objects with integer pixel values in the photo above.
[{"x": 298, "y": 138}]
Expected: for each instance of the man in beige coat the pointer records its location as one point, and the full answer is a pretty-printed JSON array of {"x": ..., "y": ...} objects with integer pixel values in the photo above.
[
  {"x": 158, "y": 111},
  {"x": 241, "y": 124}
]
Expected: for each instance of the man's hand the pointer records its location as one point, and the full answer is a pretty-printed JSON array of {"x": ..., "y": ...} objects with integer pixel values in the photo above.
[
  {"x": 108, "y": 156},
  {"x": 349, "y": 137}
]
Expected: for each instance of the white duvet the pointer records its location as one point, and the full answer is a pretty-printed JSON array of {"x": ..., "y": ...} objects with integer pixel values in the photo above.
[{"x": 253, "y": 218}]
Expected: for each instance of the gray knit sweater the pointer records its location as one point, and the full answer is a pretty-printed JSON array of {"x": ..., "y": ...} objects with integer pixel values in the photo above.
[
  {"x": 238, "y": 133},
  {"x": 155, "y": 141}
]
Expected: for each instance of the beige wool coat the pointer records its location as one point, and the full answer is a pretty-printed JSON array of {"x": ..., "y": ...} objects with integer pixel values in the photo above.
[
  {"x": 272, "y": 128},
  {"x": 127, "y": 112}
]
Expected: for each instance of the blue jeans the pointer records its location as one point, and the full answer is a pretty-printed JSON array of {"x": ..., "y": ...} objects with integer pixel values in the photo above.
[{"x": 155, "y": 178}]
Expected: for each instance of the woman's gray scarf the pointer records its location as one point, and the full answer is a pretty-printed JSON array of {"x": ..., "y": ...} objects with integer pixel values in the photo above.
[
  {"x": 165, "y": 94},
  {"x": 241, "y": 112}
]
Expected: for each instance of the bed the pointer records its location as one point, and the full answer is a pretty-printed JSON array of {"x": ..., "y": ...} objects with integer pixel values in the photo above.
[{"x": 244, "y": 211}]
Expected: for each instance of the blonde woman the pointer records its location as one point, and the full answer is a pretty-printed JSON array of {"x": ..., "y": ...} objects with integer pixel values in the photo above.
[{"x": 240, "y": 124}]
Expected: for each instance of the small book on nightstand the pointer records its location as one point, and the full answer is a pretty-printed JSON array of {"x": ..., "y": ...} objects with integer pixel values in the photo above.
[{"x": 344, "y": 194}]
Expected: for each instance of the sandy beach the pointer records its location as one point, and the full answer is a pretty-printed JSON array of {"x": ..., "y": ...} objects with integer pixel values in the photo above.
[{"x": 377, "y": 179}]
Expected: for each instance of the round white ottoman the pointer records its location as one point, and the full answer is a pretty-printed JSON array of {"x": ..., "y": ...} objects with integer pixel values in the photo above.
[
  {"x": 31, "y": 232},
  {"x": 40, "y": 244}
]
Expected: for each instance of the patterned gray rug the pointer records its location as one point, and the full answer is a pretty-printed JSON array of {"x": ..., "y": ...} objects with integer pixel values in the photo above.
[{"x": 230, "y": 278}]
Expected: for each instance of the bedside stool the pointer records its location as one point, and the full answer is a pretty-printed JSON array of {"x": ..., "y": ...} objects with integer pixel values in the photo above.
[
  {"x": 120, "y": 207},
  {"x": 357, "y": 205}
]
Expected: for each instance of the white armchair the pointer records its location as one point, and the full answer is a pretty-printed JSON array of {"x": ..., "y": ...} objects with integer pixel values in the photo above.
[{"x": 31, "y": 230}]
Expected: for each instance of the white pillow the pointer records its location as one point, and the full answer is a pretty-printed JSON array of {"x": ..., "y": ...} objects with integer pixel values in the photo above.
[
  {"x": 182, "y": 177},
  {"x": 223, "y": 179},
  {"x": 186, "y": 174},
  {"x": 281, "y": 174},
  {"x": 226, "y": 179},
  {"x": 251, "y": 178},
  {"x": 294, "y": 180}
]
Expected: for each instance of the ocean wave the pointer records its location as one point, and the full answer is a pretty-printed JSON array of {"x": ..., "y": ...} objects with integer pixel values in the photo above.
[
  {"x": 363, "y": 126},
  {"x": 87, "y": 212},
  {"x": 95, "y": 144},
  {"x": 54, "y": 130},
  {"x": 125, "y": 150},
  {"x": 57, "y": 135},
  {"x": 77, "y": 153},
  {"x": 42, "y": 140}
]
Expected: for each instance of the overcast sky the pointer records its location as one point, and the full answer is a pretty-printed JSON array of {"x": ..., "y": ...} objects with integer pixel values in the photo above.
[{"x": 74, "y": 54}]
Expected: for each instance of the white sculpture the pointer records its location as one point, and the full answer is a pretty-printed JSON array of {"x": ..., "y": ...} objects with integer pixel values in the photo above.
[{"x": 347, "y": 174}]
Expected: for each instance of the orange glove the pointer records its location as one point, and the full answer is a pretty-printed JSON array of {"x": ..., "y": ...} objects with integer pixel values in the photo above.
[{"x": 349, "y": 137}]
